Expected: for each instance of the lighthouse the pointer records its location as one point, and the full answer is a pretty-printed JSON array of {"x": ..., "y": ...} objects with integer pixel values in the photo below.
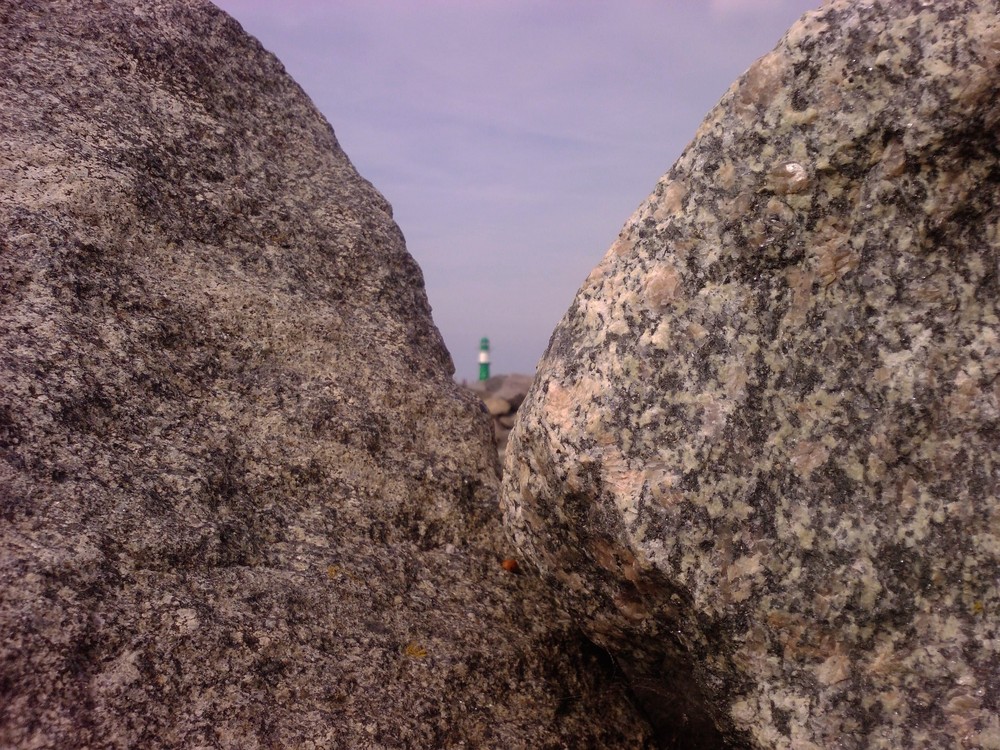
[{"x": 484, "y": 359}]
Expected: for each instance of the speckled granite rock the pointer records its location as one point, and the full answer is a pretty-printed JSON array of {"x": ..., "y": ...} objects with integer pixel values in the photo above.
[
  {"x": 761, "y": 460},
  {"x": 243, "y": 503}
]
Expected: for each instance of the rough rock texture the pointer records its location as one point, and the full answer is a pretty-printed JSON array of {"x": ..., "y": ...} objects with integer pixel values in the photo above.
[
  {"x": 243, "y": 503},
  {"x": 761, "y": 460}
]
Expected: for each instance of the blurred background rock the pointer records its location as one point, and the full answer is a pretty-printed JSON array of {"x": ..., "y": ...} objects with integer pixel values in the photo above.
[{"x": 502, "y": 396}]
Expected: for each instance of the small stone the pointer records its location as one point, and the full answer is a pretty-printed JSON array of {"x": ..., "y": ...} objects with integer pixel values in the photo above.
[{"x": 496, "y": 406}]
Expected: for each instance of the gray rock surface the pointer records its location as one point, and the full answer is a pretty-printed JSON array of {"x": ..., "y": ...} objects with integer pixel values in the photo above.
[
  {"x": 243, "y": 503},
  {"x": 761, "y": 459}
]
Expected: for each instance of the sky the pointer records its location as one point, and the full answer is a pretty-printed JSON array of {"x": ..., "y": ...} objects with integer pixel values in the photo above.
[{"x": 513, "y": 138}]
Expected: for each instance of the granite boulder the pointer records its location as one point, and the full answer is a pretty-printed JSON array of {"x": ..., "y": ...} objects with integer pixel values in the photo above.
[{"x": 760, "y": 462}]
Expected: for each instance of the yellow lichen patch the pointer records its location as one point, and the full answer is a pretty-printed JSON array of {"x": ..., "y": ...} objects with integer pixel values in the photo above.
[
  {"x": 334, "y": 572},
  {"x": 414, "y": 650}
]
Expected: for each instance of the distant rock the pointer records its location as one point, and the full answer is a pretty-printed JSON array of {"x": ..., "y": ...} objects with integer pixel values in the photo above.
[
  {"x": 502, "y": 396},
  {"x": 243, "y": 503},
  {"x": 761, "y": 459},
  {"x": 496, "y": 406}
]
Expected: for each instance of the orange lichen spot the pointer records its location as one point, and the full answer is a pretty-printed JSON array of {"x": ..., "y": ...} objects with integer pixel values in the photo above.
[
  {"x": 415, "y": 650},
  {"x": 510, "y": 565},
  {"x": 335, "y": 571}
]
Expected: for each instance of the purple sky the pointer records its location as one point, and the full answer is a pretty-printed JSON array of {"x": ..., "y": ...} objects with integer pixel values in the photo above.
[{"x": 513, "y": 137}]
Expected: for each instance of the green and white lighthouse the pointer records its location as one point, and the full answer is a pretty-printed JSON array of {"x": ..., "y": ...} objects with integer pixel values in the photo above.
[{"x": 484, "y": 358}]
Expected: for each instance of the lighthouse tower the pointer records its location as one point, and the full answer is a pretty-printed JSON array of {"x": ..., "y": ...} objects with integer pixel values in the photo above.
[{"x": 484, "y": 359}]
